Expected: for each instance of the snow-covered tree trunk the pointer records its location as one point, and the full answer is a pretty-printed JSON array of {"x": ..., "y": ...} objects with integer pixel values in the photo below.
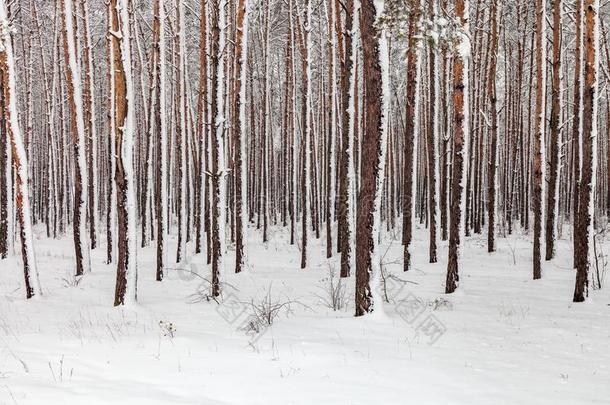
[
  {"x": 552, "y": 197},
  {"x": 90, "y": 126},
  {"x": 292, "y": 127},
  {"x": 182, "y": 135},
  {"x": 492, "y": 178},
  {"x": 266, "y": 125},
  {"x": 218, "y": 154},
  {"x": 77, "y": 129},
  {"x": 460, "y": 143},
  {"x": 111, "y": 205},
  {"x": 19, "y": 155},
  {"x": 412, "y": 129},
  {"x": 374, "y": 144},
  {"x": 588, "y": 178},
  {"x": 348, "y": 250},
  {"x": 332, "y": 126},
  {"x": 241, "y": 56},
  {"x": 161, "y": 205},
  {"x": 577, "y": 125},
  {"x": 539, "y": 164},
  {"x": 126, "y": 281},
  {"x": 4, "y": 181},
  {"x": 434, "y": 125},
  {"x": 202, "y": 200},
  {"x": 307, "y": 134}
]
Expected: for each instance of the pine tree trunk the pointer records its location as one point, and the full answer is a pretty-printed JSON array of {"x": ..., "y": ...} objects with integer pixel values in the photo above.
[
  {"x": 552, "y": 194},
  {"x": 588, "y": 176},
  {"x": 126, "y": 278},
  {"x": 538, "y": 167},
  {"x": 492, "y": 164},
  {"x": 460, "y": 145},
  {"x": 411, "y": 129},
  {"x": 239, "y": 100},
  {"x": 576, "y": 128},
  {"x": 374, "y": 138},
  {"x": 345, "y": 68},
  {"x": 77, "y": 129},
  {"x": 4, "y": 194},
  {"x": 161, "y": 149},
  {"x": 19, "y": 157}
]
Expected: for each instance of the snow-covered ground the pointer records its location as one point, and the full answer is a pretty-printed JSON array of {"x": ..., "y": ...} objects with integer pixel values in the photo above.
[{"x": 501, "y": 339}]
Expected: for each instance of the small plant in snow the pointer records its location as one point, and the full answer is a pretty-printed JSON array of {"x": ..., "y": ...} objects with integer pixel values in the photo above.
[
  {"x": 72, "y": 280},
  {"x": 333, "y": 291},
  {"x": 168, "y": 329},
  {"x": 440, "y": 303},
  {"x": 390, "y": 285},
  {"x": 58, "y": 375},
  {"x": 264, "y": 312},
  {"x": 598, "y": 275}
]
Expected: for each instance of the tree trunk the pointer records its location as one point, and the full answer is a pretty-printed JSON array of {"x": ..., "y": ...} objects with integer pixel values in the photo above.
[
  {"x": 539, "y": 165},
  {"x": 588, "y": 178},
  {"x": 126, "y": 279},
  {"x": 552, "y": 201},
  {"x": 460, "y": 144},
  {"x": 374, "y": 142}
]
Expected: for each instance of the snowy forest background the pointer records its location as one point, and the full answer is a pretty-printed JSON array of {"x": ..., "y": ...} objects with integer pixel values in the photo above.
[{"x": 197, "y": 196}]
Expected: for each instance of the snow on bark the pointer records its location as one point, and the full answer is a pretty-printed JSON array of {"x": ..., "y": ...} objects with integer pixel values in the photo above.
[
  {"x": 112, "y": 212},
  {"x": 542, "y": 118},
  {"x": 539, "y": 156},
  {"x": 464, "y": 49},
  {"x": 333, "y": 126},
  {"x": 183, "y": 132},
  {"x": 460, "y": 152},
  {"x": 351, "y": 176},
  {"x": 384, "y": 63},
  {"x": 416, "y": 126},
  {"x": 307, "y": 136},
  {"x": 31, "y": 271},
  {"x": 220, "y": 125},
  {"x": 127, "y": 156},
  {"x": 10, "y": 208},
  {"x": 163, "y": 129},
  {"x": 590, "y": 231},
  {"x": 436, "y": 97},
  {"x": 92, "y": 117},
  {"x": 586, "y": 211},
  {"x": 74, "y": 66},
  {"x": 242, "y": 128}
]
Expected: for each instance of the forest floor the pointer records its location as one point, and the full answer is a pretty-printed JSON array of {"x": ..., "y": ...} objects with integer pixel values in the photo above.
[{"x": 501, "y": 338}]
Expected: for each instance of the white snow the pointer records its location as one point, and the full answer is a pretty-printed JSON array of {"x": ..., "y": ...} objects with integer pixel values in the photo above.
[{"x": 507, "y": 339}]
